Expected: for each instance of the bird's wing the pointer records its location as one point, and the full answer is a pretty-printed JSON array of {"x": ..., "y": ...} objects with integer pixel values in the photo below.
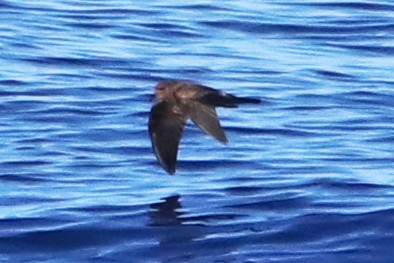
[
  {"x": 205, "y": 117},
  {"x": 165, "y": 129},
  {"x": 217, "y": 98}
]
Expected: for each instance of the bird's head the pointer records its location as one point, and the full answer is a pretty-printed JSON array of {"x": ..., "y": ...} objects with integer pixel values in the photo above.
[{"x": 164, "y": 90}]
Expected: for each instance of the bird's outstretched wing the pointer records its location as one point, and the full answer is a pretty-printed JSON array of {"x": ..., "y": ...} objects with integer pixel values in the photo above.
[
  {"x": 217, "y": 98},
  {"x": 165, "y": 128},
  {"x": 205, "y": 117}
]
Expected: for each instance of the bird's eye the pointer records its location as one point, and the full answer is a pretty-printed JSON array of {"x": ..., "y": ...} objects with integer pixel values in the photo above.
[{"x": 160, "y": 88}]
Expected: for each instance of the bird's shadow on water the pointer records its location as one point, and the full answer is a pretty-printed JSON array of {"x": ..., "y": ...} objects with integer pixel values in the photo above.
[
  {"x": 166, "y": 222},
  {"x": 166, "y": 212}
]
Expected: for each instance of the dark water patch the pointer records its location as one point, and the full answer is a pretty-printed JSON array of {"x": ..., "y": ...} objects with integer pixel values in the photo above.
[
  {"x": 198, "y": 7},
  {"x": 11, "y": 83},
  {"x": 373, "y": 50},
  {"x": 20, "y": 7},
  {"x": 110, "y": 210},
  {"x": 348, "y": 185},
  {"x": 60, "y": 61},
  {"x": 244, "y": 190},
  {"x": 367, "y": 94},
  {"x": 337, "y": 128},
  {"x": 327, "y": 100},
  {"x": 293, "y": 29},
  {"x": 125, "y": 150},
  {"x": 109, "y": 11},
  {"x": 73, "y": 111},
  {"x": 207, "y": 165},
  {"x": 164, "y": 26},
  {"x": 85, "y": 15},
  {"x": 23, "y": 178},
  {"x": 185, "y": 71},
  {"x": 130, "y": 151},
  {"x": 368, "y": 97},
  {"x": 357, "y": 123},
  {"x": 315, "y": 227},
  {"x": 254, "y": 72},
  {"x": 179, "y": 34},
  {"x": 16, "y": 225},
  {"x": 284, "y": 167},
  {"x": 305, "y": 108},
  {"x": 136, "y": 75},
  {"x": 65, "y": 239},
  {"x": 335, "y": 206},
  {"x": 51, "y": 119},
  {"x": 89, "y": 93},
  {"x": 355, "y": 21},
  {"x": 6, "y": 5},
  {"x": 287, "y": 132},
  {"x": 369, "y": 101},
  {"x": 212, "y": 219},
  {"x": 132, "y": 35},
  {"x": 27, "y": 200},
  {"x": 25, "y": 163},
  {"x": 52, "y": 154},
  {"x": 334, "y": 75},
  {"x": 101, "y": 15},
  {"x": 13, "y": 109},
  {"x": 105, "y": 134},
  {"x": 359, "y": 160},
  {"x": 254, "y": 27},
  {"x": 90, "y": 25},
  {"x": 172, "y": 30},
  {"x": 275, "y": 203},
  {"x": 381, "y": 139},
  {"x": 353, "y": 5},
  {"x": 84, "y": 10},
  {"x": 29, "y": 97},
  {"x": 86, "y": 163},
  {"x": 76, "y": 61}
]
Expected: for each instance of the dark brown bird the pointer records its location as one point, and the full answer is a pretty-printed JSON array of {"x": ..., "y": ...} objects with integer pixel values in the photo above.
[{"x": 177, "y": 101}]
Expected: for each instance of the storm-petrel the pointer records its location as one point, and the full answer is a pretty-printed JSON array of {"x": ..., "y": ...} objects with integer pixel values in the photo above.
[{"x": 177, "y": 101}]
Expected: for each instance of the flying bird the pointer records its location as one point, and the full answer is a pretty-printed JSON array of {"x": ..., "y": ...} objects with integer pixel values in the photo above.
[{"x": 178, "y": 101}]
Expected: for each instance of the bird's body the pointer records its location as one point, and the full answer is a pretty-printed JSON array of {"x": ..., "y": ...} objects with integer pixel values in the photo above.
[{"x": 178, "y": 101}]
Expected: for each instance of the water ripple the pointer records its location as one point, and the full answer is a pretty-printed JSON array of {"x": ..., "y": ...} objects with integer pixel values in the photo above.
[{"x": 307, "y": 175}]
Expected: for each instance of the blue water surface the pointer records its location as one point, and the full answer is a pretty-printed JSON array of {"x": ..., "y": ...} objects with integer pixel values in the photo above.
[{"x": 308, "y": 175}]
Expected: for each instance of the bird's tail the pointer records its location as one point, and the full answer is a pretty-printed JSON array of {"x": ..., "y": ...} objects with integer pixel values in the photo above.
[{"x": 227, "y": 100}]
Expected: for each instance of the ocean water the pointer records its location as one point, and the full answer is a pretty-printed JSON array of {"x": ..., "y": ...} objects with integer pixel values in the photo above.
[{"x": 308, "y": 175}]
